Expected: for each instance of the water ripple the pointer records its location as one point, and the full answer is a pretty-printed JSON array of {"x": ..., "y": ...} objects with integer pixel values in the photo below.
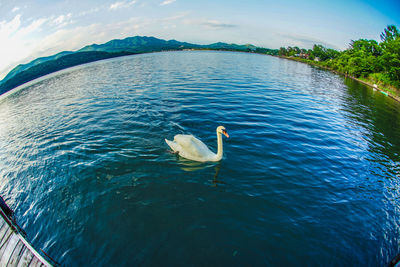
[{"x": 311, "y": 169}]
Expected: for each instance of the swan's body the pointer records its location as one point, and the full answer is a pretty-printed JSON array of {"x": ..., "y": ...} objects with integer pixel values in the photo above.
[{"x": 190, "y": 147}]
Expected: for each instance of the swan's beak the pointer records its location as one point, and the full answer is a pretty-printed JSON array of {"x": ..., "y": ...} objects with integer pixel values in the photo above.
[{"x": 225, "y": 133}]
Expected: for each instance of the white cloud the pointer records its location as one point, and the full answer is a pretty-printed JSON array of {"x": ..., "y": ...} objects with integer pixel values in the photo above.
[
  {"x": 18, "y": 42},
  {"x": 210, "y": 24},
  {"x": 31, "y": 28},
  {"x": 177, "y": 16},
  {"x": 121, "y": 4},
  {"x": 214, "y": 24},
  {"x": 61, "y": 20},
  {"x": 15, "y": 9},
  {"x": 8, "y": 28},
  {"x": 303, "y": 41},
  {"x": 90, "y": 11},
  {"x": 116, "y": 5},
  {"x": 167, "y": 2},
  {"x": 77, "y": 37}
]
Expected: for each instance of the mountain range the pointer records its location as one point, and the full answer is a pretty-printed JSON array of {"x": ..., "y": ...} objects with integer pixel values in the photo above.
[{"x": 129, "y": 46}]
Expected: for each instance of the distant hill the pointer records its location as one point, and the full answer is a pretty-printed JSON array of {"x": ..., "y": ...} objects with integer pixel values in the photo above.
[
  {"x": 138, "y": 44},
  {"x": 231, "y": 47},
  {"x": 132, "y": 45},
  {"x": 22, "y": 67},
  {"x": 53, "y": 65}
]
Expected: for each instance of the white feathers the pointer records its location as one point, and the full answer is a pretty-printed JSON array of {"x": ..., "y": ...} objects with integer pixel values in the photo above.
[{"x": 190, "y": 147}]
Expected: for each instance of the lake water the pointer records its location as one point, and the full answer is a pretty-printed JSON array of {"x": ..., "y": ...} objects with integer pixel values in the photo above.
[{"x": 310, "y": 174}]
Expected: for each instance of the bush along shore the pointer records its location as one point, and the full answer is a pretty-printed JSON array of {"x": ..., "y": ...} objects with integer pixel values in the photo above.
[{"x": 367, "y": 61}]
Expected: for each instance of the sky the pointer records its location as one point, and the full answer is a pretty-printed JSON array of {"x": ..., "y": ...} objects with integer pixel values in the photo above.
[{"x": 32, "y": 29}]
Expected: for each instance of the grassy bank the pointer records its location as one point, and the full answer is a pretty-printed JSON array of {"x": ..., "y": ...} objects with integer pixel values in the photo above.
[
  {"x": 370, "y": 80},
  {"x": 376, "y": 64}
]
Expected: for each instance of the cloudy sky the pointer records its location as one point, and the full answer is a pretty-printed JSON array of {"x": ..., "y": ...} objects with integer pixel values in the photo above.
[{"x": 31, "y": 29}]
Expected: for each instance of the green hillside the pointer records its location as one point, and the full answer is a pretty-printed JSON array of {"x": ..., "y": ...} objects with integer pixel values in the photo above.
[
  {"x": 51, "y": 66},
  {"x": 23, "y": 67},
  {"x": 138, "y": 44},
  {"x": 119, "y": 47}
]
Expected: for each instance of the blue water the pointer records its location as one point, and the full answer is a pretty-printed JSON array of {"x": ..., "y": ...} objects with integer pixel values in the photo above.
[{"x": 310, "y": 174}]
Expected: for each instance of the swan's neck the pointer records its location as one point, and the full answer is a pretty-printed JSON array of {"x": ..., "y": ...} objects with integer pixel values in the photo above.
[{"x": 220, "y": 147}]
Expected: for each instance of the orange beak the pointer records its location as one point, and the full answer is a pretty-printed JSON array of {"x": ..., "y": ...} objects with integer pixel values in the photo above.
[{"x": 225, "y": 133}]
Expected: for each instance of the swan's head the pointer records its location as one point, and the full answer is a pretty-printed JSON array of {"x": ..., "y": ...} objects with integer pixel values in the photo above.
[{"x": 221, "y": 130}]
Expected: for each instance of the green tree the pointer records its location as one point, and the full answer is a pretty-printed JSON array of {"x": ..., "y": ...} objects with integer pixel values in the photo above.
[
  {"x": 390, "y": 33},
  {"x": 332, "y": 53},
  {"x": 324, "y": 53},
  {"x": 341, "y": 63},
  {"x": 282, "y": 51},
  {"x": 291, "y": 51},
  {"x": 391, "y": 53},
  {"x": 320, "y": 52},
  {"x": 370, "y": 47},
  {"x": 311, "y": 54},
  {"x": 363, "y": 58}
]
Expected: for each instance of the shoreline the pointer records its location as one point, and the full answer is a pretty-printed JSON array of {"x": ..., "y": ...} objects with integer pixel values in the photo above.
[
  {"x": 373, "y": 86},
  {"x": 109, "y": 56},
  {"x": 383, "y": 91}
]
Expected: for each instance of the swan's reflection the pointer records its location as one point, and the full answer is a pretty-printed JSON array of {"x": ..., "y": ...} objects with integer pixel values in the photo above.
[
  {"x": 215, "y": 181},
  {"x": 190, "y": 166}
]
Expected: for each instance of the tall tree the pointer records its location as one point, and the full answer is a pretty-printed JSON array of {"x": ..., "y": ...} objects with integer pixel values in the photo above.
[
  {"x": 370, "y": 47},
  {"x": 391, "y": 52},
  {"x": 364, "y": 57},
  {"x": 390, "y": 33},
  {"x": 282, "y": 51}
]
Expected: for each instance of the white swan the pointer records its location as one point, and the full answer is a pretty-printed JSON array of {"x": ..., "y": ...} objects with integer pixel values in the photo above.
[{"x": 190, "y": 147}]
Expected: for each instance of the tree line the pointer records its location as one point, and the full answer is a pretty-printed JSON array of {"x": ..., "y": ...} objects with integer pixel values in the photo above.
[{"x": 367, "y": 59}]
